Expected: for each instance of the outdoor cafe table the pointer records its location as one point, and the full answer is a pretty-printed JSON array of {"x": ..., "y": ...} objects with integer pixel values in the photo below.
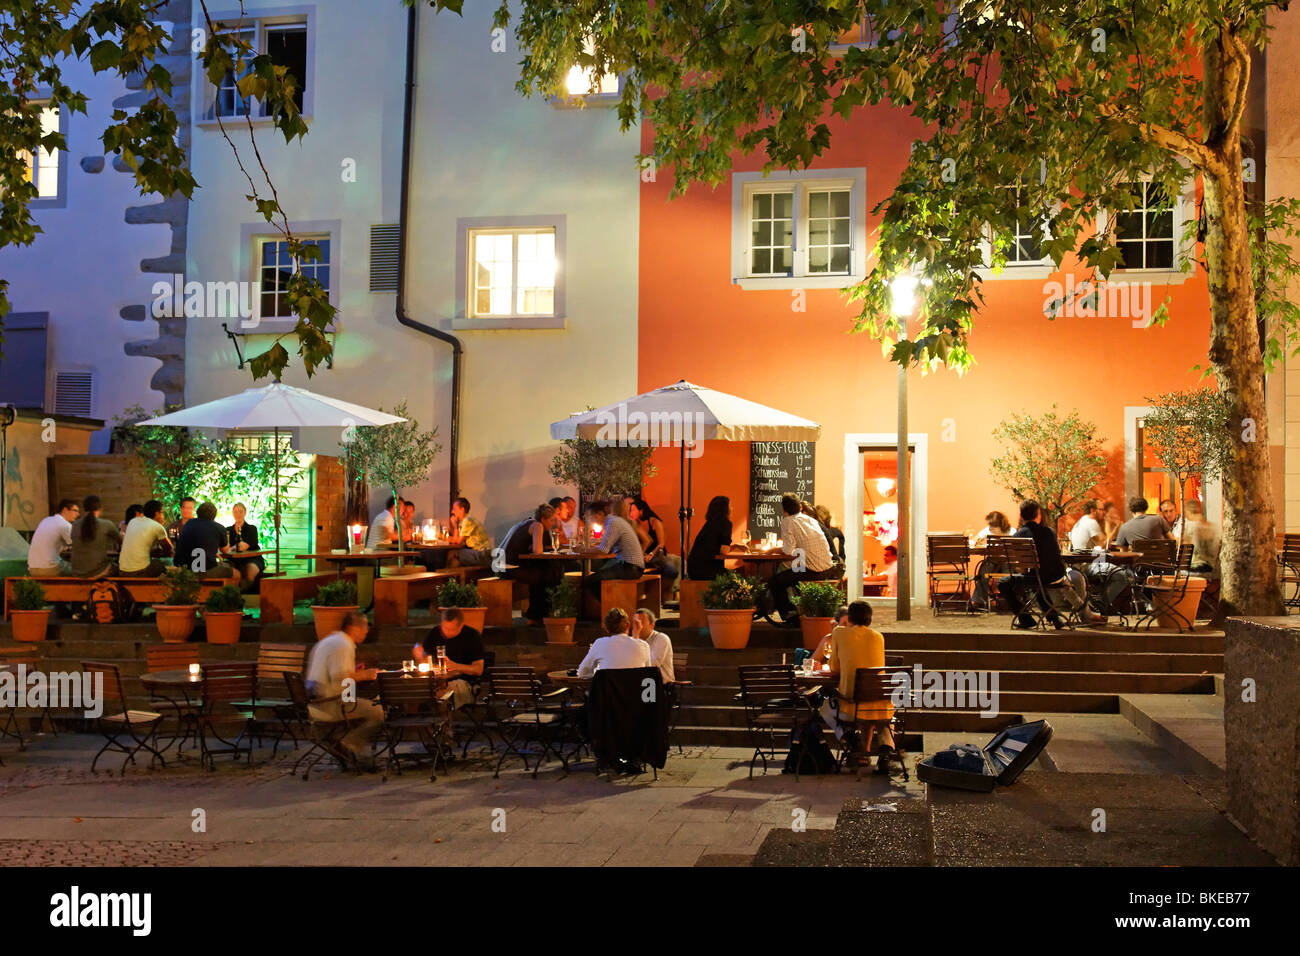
[
  {"x": 764, "y": 563},
  {"x": 584, "y": 557},
  {"x": 367, "y": 563},
  {"x": 179, "y": 687}
]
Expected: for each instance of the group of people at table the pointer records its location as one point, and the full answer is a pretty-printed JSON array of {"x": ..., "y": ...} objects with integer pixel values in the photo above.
[{"x": 77, "y": 541}]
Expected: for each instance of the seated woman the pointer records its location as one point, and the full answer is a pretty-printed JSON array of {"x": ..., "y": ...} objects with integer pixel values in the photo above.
[
  {"x": 834, "y": 536},
  {"x": 242, "y": 536},
  {"x": 703, "y": 563},
  {"x": 533, "y": 536},
  {"x": 650, "y": 530},
  {"x": 856, "y": 645},
  {"x": 822, "y": 655}
]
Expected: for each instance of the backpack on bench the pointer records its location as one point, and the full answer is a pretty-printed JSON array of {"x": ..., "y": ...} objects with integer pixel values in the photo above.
[{"x": 107, "y": 603}]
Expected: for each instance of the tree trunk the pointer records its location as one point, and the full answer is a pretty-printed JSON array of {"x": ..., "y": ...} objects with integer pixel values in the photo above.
[{"x": 1247, "y": 563}]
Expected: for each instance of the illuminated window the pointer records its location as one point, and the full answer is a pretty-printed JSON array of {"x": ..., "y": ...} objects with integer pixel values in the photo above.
[
  {"x": 585, "y": 87},
  {"x": 512, "y": 272},
  {"x": 43, "y": 166}
]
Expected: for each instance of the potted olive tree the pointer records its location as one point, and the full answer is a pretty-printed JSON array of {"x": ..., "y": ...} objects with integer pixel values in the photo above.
[
  {"x": 29, "y": 615},
  {"x": 223, "y": 615},
  {"x": 729, "y": 602},
  {"x": 333, "y": 601},
  {"x": 564, "y": 613},
  {"x": 464, "y": 595},
  {"x": 817, "y": 602},
  {"x": 177, "y": 615}
]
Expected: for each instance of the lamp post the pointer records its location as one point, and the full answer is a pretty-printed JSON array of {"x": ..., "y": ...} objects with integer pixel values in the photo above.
[{"x": 903, "y": 288}]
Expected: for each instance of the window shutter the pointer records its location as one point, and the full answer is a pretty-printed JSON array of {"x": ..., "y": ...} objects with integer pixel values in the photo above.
[
  {"x": 385, "y": 247},
  {"x": 74, "y": 393}
]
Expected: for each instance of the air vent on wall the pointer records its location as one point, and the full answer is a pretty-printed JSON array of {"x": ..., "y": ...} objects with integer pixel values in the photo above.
[
  {"x": 385, "y": 246},
  {"x": 74, "y": 393}
]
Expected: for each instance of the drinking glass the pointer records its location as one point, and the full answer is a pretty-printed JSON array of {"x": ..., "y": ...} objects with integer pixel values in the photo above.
[{"x": 442, "y": 656}]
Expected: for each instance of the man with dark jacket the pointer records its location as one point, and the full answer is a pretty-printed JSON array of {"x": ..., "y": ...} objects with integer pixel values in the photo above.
[{"x": 1050, "y": 566}]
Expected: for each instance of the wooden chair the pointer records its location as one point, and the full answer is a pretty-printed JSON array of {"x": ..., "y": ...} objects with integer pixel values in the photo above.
[
  {"x": 182, "y": 709},
  {"x": 1288, "y": 560},
  {"x": 774, "y": 707},
  {"x": 226, "y": 686},
  {"x": 324, "y": 736},
  {"x": 871, "y": 685},
  {"x": 1166, "y": 590},
  {"x": 414, "y": 706},
  {"x": 690, "y": 608},
  {"x": 675, "y": 693},
  {"x": 11, "y": 724},
  {"x": 524, "y": 713},
  {"x": 273, "y": 662},
  {"x": 948, "y": 570},
  {"x": 125, "y": 731},
  {"x": 1157, "y": 553},
  {"x": 1020, "y": 556},
  {"x": 477, "y": 712}
]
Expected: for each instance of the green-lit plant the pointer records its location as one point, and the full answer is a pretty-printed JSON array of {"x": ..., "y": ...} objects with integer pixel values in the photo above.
[
  {"x": 180, "y": 586},
  {"x": 732, "y": 592},
  {"x": 337, "y": 594},
  {"x": 458, "y": 594},
  {"x": 1054, "y": 459},
  {"x": 28, "y": 595},
  {"x": 818, "y": 599},
  {"x": 1188, "y": 431},
  {"x": 224, "y": 600},
  {"x": 564, "y": 599}
]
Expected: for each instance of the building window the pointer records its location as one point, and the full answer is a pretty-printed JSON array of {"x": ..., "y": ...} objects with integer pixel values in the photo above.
[
  {"x": 798, "y": 230},
  {"x": 43, "y": 166},
  {"x": 512, "y": 272},
  {"x": 1145, "y": 231},
  {"x": 285, "y": 40},
  {"x": 276, "y": 266},
  {"x": 584, "y": 87}
]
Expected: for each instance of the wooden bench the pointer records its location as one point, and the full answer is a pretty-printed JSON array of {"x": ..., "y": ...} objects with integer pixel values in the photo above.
[
  {"x": 499, "y": 595},
  {"x": 631, "y": 593},
  {"x": 141, "y": 591},
  {"x": 279, "y": 592},
  {"x": 692, "y": 613},
  {"x": 395, "y": 593}
]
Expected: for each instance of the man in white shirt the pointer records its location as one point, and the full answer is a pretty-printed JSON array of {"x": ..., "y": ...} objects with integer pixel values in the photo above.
[
  {"x": 617, "y": 650},
  {"x": 53, "y": 534},
  {"x": 383, "y": 530},
  {"x": 570, "y": 521},
  {"x": 802, "y": 536},
  {"x": 142, "y": 533},
  {"x": 661, "y": 647},
  {"x": 331, "y": 662},
  {"x": 1086, "y": 533}
]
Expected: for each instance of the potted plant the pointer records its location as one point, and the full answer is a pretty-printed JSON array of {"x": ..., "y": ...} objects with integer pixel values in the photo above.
[
  {"x": 223, "y": 614},
  {"x": 177, "y": 615},
  {"x": 29, "y": 613},
  {"x": 817, "y": 602},
  {"x": 333, "y": 601},
  {"x": 464, "y": 595},
  {"x": 564, "y": 613},
  {"x": 729, "y": 602}
]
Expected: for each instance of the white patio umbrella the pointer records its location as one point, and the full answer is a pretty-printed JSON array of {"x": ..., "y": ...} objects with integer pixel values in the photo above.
[
  {"x": 275, "y": 406},
  {"x": 684, "y": 413}
]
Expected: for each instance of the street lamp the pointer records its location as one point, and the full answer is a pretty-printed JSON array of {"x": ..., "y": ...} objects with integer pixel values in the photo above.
[{"x": 903, "y": 294}]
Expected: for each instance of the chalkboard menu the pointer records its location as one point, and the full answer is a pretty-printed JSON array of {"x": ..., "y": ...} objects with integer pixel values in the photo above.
[{"x": 777, "y": 468}]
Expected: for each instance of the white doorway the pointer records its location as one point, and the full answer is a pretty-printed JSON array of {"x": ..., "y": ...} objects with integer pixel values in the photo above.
[{"x": 865, "y": 454}]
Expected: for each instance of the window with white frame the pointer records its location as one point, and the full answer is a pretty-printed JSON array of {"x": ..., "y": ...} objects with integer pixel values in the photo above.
[
  {"x": 512, "y": 272},
  {"x": 276, "y": 265},
  {"x": 43, "y": 165},
  {"x": 798, "y": 229},
  {"x": 1145, "y": 230},
  {"x": 285, "y": 40},
  {"x": 584, "y": 87}
]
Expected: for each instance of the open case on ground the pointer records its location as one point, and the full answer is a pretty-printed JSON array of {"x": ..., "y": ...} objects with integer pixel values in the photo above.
[{"x": 1000, "y": 762}]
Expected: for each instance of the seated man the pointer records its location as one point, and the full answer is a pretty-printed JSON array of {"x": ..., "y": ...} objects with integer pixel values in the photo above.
[
  {"x": 1087, "y": 533},
  {"x": 200, "y": 545},
  {"x": 618, "y": 539},
  {"x": 187, "y": 515},
  {"x": 330, "y": 662},
  {"x": 617, "y": 649},
  {"x": 464, "y": 649},
  {"x": 1051, "y": 572},
  {"x": 802, "y": 536},
  {"x": 473, "y": 543},
  {"x": 1141, "y": 525},
  {"x": 143, "y": 533},
  {"x": 855, "y": 645},
  {"x": 383, "y": 529},
  {"x": 659, "y": 644},
  {"x": 52, "y": 537},
  {"x": 1205, "y": 538}
]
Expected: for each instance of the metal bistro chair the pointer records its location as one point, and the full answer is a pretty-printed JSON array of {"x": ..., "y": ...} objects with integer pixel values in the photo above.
[
  {"x": 871, "y": 685},
  {"x": 227, "y": 685},
  {"x": 273, "y": 662},
  {"x": 413, "y": 705},
  {"x": 182, "y": 710},
  {"x": 125, "y": 731},
  {"x": 478, "y": 712},
  {"x": 774, "y": 707},
  {"x": 1165, "y": 595},
  {"x": 1288, "y": 560},
  {"x": 324, "y": 736},
  {"x": 948, "y": 570},
  {"x": 11, "y": 719},
  {"x": 1021, "y": 556},
  {"x": 675, "y": 689},
  {"x": 523, "y": 713}
]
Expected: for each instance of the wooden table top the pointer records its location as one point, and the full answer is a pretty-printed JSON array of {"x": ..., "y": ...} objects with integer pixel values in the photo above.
[
  {"x": 172, "y": 678},
  {"x": 565, "y": 679},
  {"x": 246, "y": 554},
  {"x": 756, "y": 556},
  {"x": 356, "y": 556},
  {"x": 565, "y": 556}
]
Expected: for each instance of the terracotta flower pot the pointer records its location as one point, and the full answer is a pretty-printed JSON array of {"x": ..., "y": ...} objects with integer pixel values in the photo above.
[
  {"x": 175, "y": 622},
  {"x": 1185, "y": 607},
  {"x": 475, "y": 617},
  {"x": 330, "y": 619},
  {"x": 559, "y": 630},
  {"x": 814, "y": 629},
  {"x": 223, "y": 626},
  {"x": 729, "y": 630},
  {"x": 29, "y": 626}
]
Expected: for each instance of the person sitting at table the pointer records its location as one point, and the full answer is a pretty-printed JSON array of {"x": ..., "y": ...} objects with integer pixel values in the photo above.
[
  {"x": 654, "y": 546},
  {"x": 131, "y": 512},
  {"x": 996, "y": 525},
  {"x": 187, "y": 515},
  {"x": 383, "y": 529},
  {"x": 1112, "y": 521},
  {"x": 473, "y": 543},
  {"x": 834, "y": 536},
  {"x": 52, "y": 537},
  {"x": 620, "y": 541},
  {"x": 1205, "y": 538},
  {"x": 703, "y": 563},
  {"x": 617, "y": 649},
  {"x": 92, "y": 538},
  {"x": 1169, "y": 511},
  {"x": 659, "y": 643},
  {"x": 801, "y": 534},
  {"x": 856, "y": 645},
  {"x": 567, "y": 522},
  {"x": 200, "y": 544},
  {"x": 408, "y": 520},
  {"x": 822, "y": 654},
  {"x": 533, "y": 536},
  {"x": 242, "y": 536},
  {"x": 1051, "y": 572},
  {"x": 890, "y": 570},
  {"x": 463, "y": 646},
  {"x": 143, "y": 534},
  {"x": 1141, "y": 525},
  {"x": 1087, "y": 532},
  {"x": 330, "y": 662}
]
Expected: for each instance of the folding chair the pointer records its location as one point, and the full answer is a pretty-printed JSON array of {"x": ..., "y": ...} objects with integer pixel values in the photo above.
[
  {"x": 228, "y": 684},
  {"x": 675, "y": 694},
  {"x": 871, "y": 685},
  {"x": 183, "y": 710},
  {"x": 477, "y": 712},
  {"x": 324, "y": 736},
  {"x": 1021, "y": 556},
  {"x": 774, "y": 706},
  {"x": 11, "y": 720},
  {"x": 948, "y": 570},
  {"x": 414, "y": 705},
  {"x": 1288, "y": 561},
  {"x": 1169, "y": 589},
  {"x": 273, "y": 661},
  {"x": 525, "y": 713},
  {"x": 136, "y": 727}
]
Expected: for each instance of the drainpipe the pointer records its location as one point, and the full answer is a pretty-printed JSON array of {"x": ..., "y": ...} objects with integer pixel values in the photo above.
[{"x": 402, "y": 317}]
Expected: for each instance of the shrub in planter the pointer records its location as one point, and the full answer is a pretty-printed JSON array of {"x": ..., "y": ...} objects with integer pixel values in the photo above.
[
  {"x": 176, "y": 616},
  {"x": 729, "y": 602},
  {"x": 333, "y": 601},
  {"x": 223, "y": 614},
  {"x": 29, "y": 615},
  {"x": 817, "y": 602},
  {"x": 564, "y": 613},
  {"x": 464, "y": 595}
]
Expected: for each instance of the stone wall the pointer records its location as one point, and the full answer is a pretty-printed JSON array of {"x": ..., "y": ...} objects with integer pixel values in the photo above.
[{"x": 1261, "y": 660}]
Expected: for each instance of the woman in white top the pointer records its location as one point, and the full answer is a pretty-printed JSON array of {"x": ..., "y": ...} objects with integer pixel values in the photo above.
[{"x": 997, "y": 526}]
